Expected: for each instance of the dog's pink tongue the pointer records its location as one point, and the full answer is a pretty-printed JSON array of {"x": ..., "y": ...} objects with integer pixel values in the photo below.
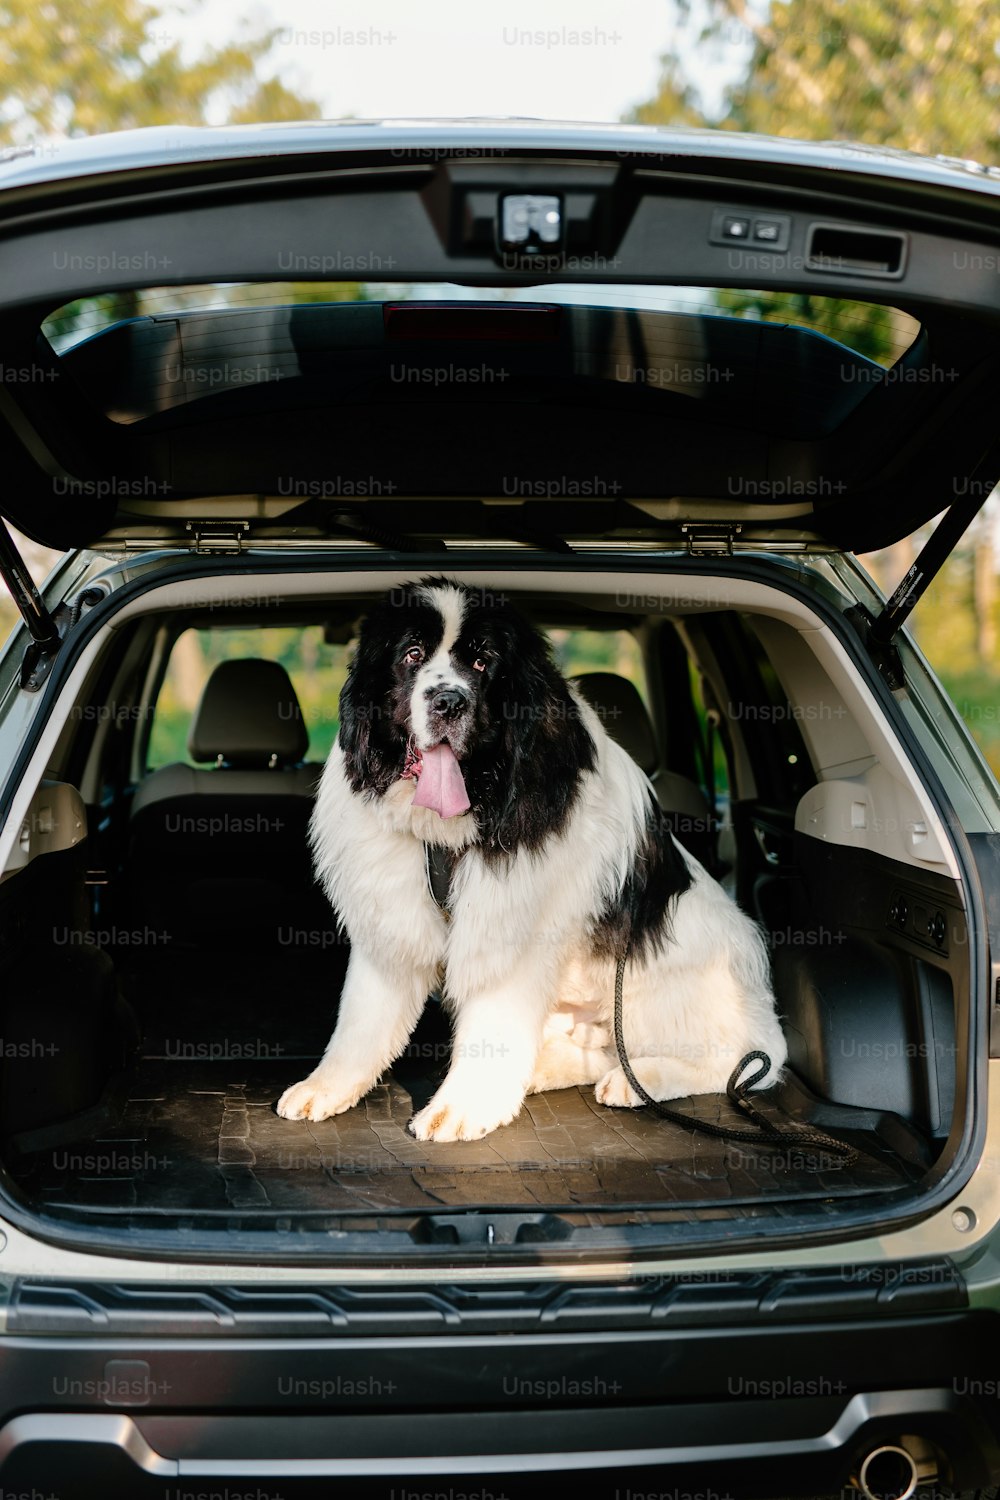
[{"x": 441, "y": 785}]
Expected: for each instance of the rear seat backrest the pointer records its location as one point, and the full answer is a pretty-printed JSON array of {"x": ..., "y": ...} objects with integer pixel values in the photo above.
[
  {"x": 224, "y": 851},
  {"x": 617, "y": 703}
]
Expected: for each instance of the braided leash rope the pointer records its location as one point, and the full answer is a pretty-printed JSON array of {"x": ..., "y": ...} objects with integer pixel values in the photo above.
[{"x": 738, "y": 1094}]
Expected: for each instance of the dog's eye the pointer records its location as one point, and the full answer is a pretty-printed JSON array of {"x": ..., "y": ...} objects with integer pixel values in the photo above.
[
  {"x": 413, "y": 654},
  {"x": 479, "y": 665}
]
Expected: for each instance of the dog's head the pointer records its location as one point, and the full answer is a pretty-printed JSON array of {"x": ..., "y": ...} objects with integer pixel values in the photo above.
[{"x": 450, "y": 686}]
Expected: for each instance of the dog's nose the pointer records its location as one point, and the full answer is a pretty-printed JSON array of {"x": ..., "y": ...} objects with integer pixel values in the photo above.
[{"x": 448, "y": 702}]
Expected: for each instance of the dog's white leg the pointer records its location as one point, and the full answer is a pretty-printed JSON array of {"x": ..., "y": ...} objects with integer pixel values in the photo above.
[
  {"x": 377, "y": 1014},
  {"x": 376, "y": 882},
  {"x": 669, "y": 1078},
  {"x": 497, "y": 1037}
]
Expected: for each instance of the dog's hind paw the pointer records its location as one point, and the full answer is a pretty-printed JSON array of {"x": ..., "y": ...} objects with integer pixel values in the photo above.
[
  {"x": 616, "y": 1092},
  {"x": 663, "y": 1078}
]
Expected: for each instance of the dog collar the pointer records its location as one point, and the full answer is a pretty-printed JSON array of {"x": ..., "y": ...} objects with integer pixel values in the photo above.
[
  {"x": 412, "y": 761},
  {"x": 439, "y": 863}
]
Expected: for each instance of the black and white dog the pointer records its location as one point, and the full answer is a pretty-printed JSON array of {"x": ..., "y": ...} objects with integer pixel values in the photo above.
[{"x": 456, "y": 728}]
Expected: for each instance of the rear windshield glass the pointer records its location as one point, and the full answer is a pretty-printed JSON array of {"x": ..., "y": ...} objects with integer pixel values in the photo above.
[{"x": 879, "y": 333}]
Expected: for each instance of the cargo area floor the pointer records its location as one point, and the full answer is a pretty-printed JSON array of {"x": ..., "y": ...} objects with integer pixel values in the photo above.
[{"x": 191, "y": 1128}]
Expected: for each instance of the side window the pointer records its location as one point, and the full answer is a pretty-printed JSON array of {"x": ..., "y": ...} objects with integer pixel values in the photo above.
[
  {"x": 317, "y": 671},
  {"x": 711, "y": 742},
  {"x": 616, "y": 651},
  {"x": 757, "y": 711},
  {"x": 781, "y": 763}
]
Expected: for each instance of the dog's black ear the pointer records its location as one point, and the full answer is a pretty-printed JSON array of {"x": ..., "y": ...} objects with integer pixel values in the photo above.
[
  {"x": 364, "y": 736},
  {"x": 372, "y": 736},
  {"x": 354, "y": 733},
  {"x": 542, "y": 747},
  {"x": 355, "y": 724}
]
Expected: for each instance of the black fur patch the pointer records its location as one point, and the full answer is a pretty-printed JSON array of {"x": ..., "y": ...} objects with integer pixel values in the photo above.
[{"x": 637, "y": 923}]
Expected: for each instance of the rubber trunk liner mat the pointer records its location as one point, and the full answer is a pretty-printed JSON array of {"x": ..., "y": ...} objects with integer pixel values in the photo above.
[{"x": 204, "y": 1135}]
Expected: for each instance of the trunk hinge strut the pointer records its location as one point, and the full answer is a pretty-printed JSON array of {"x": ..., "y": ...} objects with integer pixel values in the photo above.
[
  {"x": 47, "y": 630},
  {"x": 44, "y": 632},
  {"x": 935, "y": 553},
  {"x": 31, "y": 605},
  {"x": 879, "y": 635}
]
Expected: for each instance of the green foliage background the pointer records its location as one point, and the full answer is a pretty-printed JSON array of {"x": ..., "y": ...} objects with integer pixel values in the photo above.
[
  {"x": 318, "y": 670},
  {"x": 80, "y": 67},
  {"x": 916, "y": 75}
]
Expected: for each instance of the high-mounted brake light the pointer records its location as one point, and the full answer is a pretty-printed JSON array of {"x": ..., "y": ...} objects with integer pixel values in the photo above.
[{"x": 511, "y": 322}]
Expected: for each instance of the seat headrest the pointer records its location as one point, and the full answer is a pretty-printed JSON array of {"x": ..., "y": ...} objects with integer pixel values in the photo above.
[
  {"x": 617, "y": 704},
  {"x": 248, "y": 713}
]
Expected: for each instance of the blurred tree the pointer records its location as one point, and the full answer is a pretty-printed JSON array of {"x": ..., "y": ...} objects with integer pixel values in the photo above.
[
  {"x": 900, "y": 73},
  {"x": 78, "y": 67},
  {"x": 872, "y": 331},
  {"x": 903, "y": 73},
  {"x": 676, "y": 101},
  {"x": 919, "y": 75}
]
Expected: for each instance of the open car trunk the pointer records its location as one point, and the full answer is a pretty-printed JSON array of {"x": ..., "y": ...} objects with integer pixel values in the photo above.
[
  {"x": 674, "y": 445},
  {"x": 157, "y": 1003}
]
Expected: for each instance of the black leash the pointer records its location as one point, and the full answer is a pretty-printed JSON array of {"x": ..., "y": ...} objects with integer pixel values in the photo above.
[
  {"x": 738, "y": 1095},
  {"x": 439, "y": 863}
]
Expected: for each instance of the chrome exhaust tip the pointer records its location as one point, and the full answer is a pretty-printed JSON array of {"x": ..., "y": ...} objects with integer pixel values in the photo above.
[{"x": 887, "y": 1473}]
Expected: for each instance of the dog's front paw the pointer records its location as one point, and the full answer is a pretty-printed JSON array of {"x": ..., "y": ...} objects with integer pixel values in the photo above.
[
  {"x": 464, "y": 1113},
  {"x": 316, "y": 1098}
]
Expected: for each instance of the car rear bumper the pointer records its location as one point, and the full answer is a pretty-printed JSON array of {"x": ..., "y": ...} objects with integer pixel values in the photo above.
[
  {"x": 716, "y": 1411},
  {"x": 806, "y": 1447}
]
